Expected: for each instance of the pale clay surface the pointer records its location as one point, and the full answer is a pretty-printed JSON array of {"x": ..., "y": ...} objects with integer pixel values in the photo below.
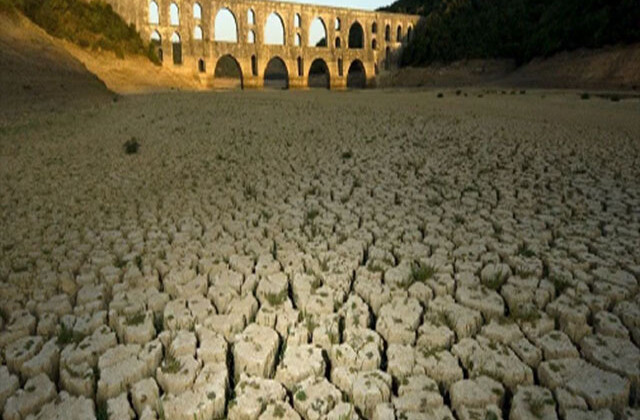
[{"x": 381, "y": 255}]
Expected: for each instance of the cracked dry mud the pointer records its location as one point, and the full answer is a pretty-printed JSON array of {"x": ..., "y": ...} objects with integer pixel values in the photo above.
[{"x": 381, "y": 255}]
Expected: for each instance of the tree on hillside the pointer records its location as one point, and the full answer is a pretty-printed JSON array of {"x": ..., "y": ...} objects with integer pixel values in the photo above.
[{"x": 519, "y": 29}]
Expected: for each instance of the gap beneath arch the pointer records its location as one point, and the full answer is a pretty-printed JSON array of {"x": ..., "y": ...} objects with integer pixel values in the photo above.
[
  {"x": 276, "y": 75},
  {"x": 228, "y": 74},
  {"x": 356, "y": 77},
  {"x": 319, "y": 76}
]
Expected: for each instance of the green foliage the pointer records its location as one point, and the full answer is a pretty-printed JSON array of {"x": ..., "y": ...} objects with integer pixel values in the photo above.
[
  {"x": 520, "y": 29},
  {"x": 496, "y": 281},
  {"x": 524, "y": 313},
  {"x": 160, "y": 409},
  {"x": 4, "y": 314},
  {"x": 279, "y": 411},
  {"x": 491, "y": 416},
  {"x": 131, "y": 146},
  {"x": 136, "y": 319},
  {"x": 301, "y": 395},
  {"x": 277, "y": 299},
  {"x": 250, "y": 192},
  {"x": 101, "y": 412},
  {"x": 422, "y": 272},
  {"x": 93, "y": 25},
  {"x": 310, "y": 323},
  {"x": 66, "y": 336},
  {"x": 311, "y": 215},
  {"x": 560, "y": 284},
  {"x": 7, "y": 8},
  {"x": 171, "y": 364},
  {"x": 119, "y": 262},
  {"x": 525, "y": 251},
  {"x": 537, "y": 406}
]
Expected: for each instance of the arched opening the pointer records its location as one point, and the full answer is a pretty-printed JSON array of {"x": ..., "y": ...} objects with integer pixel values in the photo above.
[
  {"x": 338, "y": 42},
  {"x": 356, "y": 36},
  {"x": 228, "y": 74},
  {"x": 254, "y": 65},
  {"x": 374, "y": 44},
  {"x": 154, "y": 13},
  {"x": 174, "y": 15},
  {"x": 202, "y": 67},
  {"x": 197, "y": 11},
  {"x": 317, "y": 33},
  {"x": 197, "y": 33},
  {"x": 251, "y": 17},
  {"x": 298, "y": 40},
  {"x": 297, "y": 21},
  {"x": 176, "y": 48},
  {"x": 387, "y": 33},
  {"x": 225, "y": 26},
  {"x": 356, "y": 77},
  {"x": 319, "y": 76},
  {"x": 276, "y": 75},
  {"x": 251, "y": 37},
  {"x": 340, "y": 67},
  {"x": 409, "y": 33},
  {"x": 274, "y": 30},
  {"x": 300, "y": 67},
  {"x": 156, "y": 41},
  {"x": 399, "y": 34},
  {"x": 338, "y": 24},
  {"x": 374, "y": 28},
  {"x": 387, "y": 58}
]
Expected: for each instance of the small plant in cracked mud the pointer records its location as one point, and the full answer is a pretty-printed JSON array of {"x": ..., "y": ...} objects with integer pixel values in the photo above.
[{"x": 132, "y": 146}]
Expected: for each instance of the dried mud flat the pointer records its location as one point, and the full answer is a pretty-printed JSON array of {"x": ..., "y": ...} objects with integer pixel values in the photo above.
[{"x": 287, "y": 255}]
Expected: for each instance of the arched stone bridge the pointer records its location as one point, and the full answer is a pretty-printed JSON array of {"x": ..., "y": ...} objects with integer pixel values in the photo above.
[{"x": 357, "y": 44}]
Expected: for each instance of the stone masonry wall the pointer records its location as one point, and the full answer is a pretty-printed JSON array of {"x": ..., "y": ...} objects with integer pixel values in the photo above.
[{"x": 298, "y": 59}]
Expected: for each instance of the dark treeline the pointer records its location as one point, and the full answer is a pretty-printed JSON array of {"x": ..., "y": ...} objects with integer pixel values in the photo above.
[{"x": 518, "y": 29}]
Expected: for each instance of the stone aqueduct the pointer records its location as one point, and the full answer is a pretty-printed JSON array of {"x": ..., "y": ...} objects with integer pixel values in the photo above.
[{"x": 185, "y": 29}]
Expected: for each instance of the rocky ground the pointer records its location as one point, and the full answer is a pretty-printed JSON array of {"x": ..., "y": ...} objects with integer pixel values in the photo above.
[{"x": 288, "y": 255}]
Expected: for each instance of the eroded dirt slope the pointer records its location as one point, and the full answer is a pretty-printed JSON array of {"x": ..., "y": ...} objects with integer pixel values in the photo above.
[
  {"x": 612, "y": 68},
  {"x": 36, "y": 72}
]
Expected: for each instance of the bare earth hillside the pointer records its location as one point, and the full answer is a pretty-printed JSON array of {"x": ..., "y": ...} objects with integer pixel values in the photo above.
[
  {"x": 607, "y": 68},
  {"x": 37, "y": 72},
  {"x": 135, "y": 74},
  {"x": 613, "y": 68}
]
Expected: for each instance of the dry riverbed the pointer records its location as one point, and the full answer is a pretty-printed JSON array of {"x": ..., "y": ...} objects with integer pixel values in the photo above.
[{"x": 320, "y": 255}]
